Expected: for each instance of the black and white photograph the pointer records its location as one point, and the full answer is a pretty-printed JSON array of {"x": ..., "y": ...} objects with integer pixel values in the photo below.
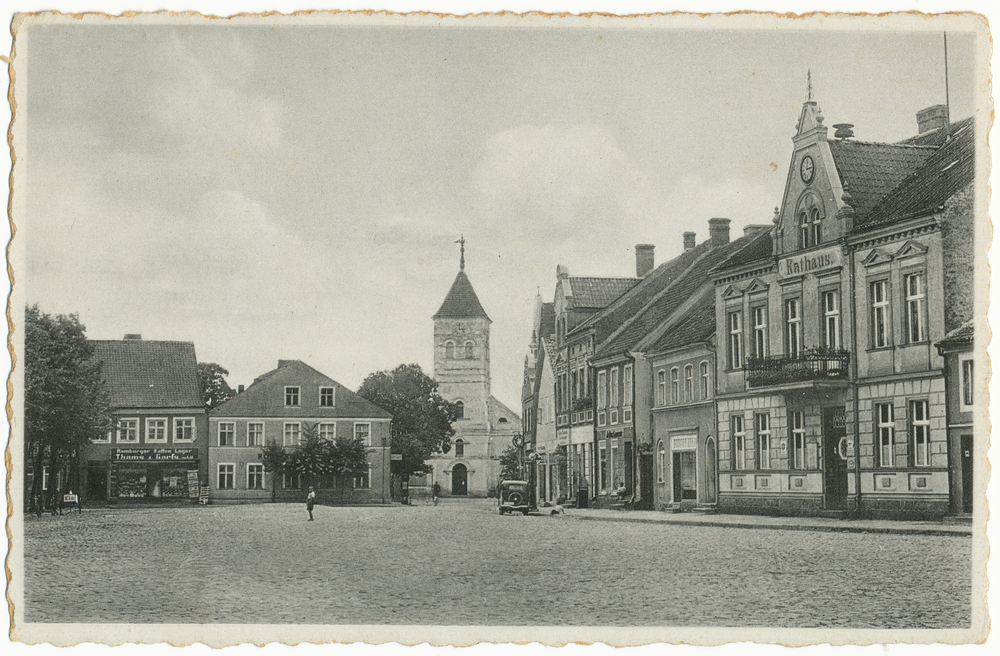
[{"x": 374, "y": 327}]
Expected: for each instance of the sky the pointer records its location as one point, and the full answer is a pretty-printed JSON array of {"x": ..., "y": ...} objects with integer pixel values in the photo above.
[{"x": 296, "y": 192}]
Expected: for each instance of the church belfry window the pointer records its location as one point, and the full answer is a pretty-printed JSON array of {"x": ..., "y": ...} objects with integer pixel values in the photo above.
[
  {"x": 449, "y": 350},
  {"x": 461, "y": 409},
  {"x": 468, "y": 350}
]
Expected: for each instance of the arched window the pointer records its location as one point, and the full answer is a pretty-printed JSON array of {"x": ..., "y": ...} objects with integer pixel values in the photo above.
[
  {"x": 816, "y": 233},
  {"x": 675, "y": 385},
  {"x": 706, "y": 382},
  {"x": 502, "y": 420},
  {"x": 468, "y": 350},
  {"x": 661, "y": 387},
  {"x": 459, "y": 448},
  {"x": 804, "y": 230},
  {"x": 461, "y": 409},
  {"x": 689, "y": 383},
  {"x": 661, "y": 454},
  {"x": 449, "y": 350}
]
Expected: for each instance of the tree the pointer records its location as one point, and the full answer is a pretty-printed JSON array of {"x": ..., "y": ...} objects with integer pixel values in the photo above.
[
  {"x": 510, "y": 463},
  {"x": 214, "y": 389},
  {"x": 421, "y": 419},
  {"x": 314, "y": 457},
  {"x": 66, "y": 404},
  {"x": 351, "y": 461},
  {"x": 273, "y": 456}
]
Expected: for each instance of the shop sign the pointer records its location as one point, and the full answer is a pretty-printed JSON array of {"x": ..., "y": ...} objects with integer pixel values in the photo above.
[
  {"x": 799, "y": 265},
  {"x": 192, "y": 475},
  {"x": 203, "y": 497},
  {"x": 153, "y": 455}
]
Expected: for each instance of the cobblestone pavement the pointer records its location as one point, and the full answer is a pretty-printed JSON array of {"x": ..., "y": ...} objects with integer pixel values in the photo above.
[{"x": 461, "y": 563}]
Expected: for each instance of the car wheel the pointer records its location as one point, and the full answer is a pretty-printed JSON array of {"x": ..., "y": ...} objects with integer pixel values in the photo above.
[
  {"x": 525, "y": 512},
  {"x": 502, "y": 512}
]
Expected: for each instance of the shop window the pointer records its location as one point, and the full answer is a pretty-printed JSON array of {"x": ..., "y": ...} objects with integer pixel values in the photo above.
[
  {"x": 459, "y": 448},
  {"x": 762, "y": 433},
  {"x": 255, "y": 476},
  {"x": 603, "y": 465},
  {"x": 255, "y": 433},
  {"x": 227, "y": 476},
  {"x": 739, "y": 442},
  {"x": 128, "y": 431},
  {"x": 326, "y": 397},
  {"x": 227, "y": 433},
  {"x": 156, "y": 431},
  {"x": 292, "y": 433},
  {"x": 362, "y": 432},
  {"x": 916, "y": 322},
  {"x": 661, "y": 453},
  {"x": 734, "y": 321},
  {"x": 920, "y": 430},
  {"x": 797, "y": 427},
  {"x": 291, "y": 396},
  {"x": 968, "y": 396},
  {"x": 879, "y": 298},
  {"x": 884, "y": 434},
  {"x": 328, "y": 431},
  {"x": 184, "y": 429}
]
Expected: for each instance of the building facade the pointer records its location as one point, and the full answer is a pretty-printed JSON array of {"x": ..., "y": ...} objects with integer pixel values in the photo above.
[
  {"x": 283, "y": 406},
  {"x": 158, "y": 449}
]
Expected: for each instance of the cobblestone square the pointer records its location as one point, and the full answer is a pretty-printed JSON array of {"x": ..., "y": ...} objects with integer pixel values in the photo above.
[{"x": 460, "y": 563}]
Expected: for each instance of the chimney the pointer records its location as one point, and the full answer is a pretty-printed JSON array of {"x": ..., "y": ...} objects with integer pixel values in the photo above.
[
  {"x": 754, "y": 229},
  {"x": 688, "y": 241},
  {"x": 282, "y": 363},
  {"x": 239, "y": 389},
  {"x": 133, "y": 337},
  {"x": 562, "y": 272},
  {"x": 718, "y": 230},
  {"x": 932, "y": 118},
  {"x": 643, "y": 259}
]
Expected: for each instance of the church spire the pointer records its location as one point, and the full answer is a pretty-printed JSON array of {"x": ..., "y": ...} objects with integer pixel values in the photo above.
[{"x": 461, "y": 263}]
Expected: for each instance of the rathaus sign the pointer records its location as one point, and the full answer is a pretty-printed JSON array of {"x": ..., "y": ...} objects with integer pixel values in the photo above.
[{"x": 799, "y": 265}]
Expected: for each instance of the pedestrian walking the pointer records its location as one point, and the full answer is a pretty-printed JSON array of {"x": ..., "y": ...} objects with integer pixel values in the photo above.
[
  {"x": 436, "y": 492},
  {"x": 310, "y": 502}
]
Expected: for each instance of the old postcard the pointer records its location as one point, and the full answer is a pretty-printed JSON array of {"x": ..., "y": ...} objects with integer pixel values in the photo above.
[{"x": 368, "y": 327}]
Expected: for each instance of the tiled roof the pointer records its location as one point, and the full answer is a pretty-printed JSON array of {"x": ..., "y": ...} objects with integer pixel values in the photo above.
[
  {"x": 758, "y": 247},
  {"x": 598, "y": 292},
  {"x": 948, "y": 170},
  {"x": 697, "y": 325},
  {"x": 964, "y": 335},
  {"x": 872, "y": 170},
  {"x": 461, "y": 300},
  {"x": 631, "y": 301},
  {"x": 669, "y": 299},
  {"x": 547, "y": 321},
  {"x": 265, "y": 397},
  {"x": 150, "y": 374}
]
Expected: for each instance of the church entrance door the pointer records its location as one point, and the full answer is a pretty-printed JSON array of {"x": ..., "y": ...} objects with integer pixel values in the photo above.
[{"x": 459, "y": 480}]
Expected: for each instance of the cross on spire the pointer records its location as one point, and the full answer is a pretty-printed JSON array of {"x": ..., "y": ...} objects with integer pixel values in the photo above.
[
  {"x": 461, "y": 264},
  {"x": 809, "y": 84}
]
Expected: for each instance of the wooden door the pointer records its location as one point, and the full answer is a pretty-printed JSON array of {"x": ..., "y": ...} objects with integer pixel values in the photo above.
[
  {"x": 459, "y": 480},
  {"x": 834, "y": 465},
  {"x": 967, "y": 473}
]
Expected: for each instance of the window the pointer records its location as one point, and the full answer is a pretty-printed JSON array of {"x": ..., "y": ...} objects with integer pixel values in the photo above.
[
  {"x": 255, "y": 476},
  {"x": 817, "y": 236},
  {"x": 460, "y": 405},
  {"x": 613, "y": 392},
  {"x": 459, "y": 448},
  {"x": 706, "y": 381},
  {"x": 675, "y": 385},
  {"x": 880, "y": 314},
  {"x": 759, "y": 315},
  {"x": 364, "y": 480},
  {"x": 363, "y": 432},
  {"x": 804, "y": 231},
  {"x": 920, "y": 429},
  {"x": 661, "y": 387},
  {"x": 831, "y": 319},
  {"x": 128, "y": 431},
  {"x": 762, "y": 428},
  {"x": 449, "y": 350},
  {"x": 796, "y": 422},
  {"x": 884, "y": 431},
  {"x": 156, "y": 430},
  {"x": 291, "y": 481},
  {"x": 602, "y": 384},
  {"x": 735, "y": 323},
  {"x": 662, "y": 460},
  {"x": 916, "y": 330},
  {"x": 328, "y": 431},
  {"x": 291, "y": 396},
  {"x": 689, "y": 383},
  {"x": 184, "y": 429},
  {"x": 468, "y": 350},
  {"x": 967, "y": 385},
  {"x": 227, "y": 477},
  {"x": 793, "y": 328},
  {"x": 627, "y": 384},
  {"x": 603, "y": 455},
  {"x": 227, "y": 433},
  {"x": 255, "y": 433},
  {"x": 326, "y": 397},
  {"x": 292, "y": 433},
  {"x": 739, "y": 442}
]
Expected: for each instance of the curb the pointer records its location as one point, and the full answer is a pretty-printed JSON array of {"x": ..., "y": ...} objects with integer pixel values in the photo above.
[{"x": 785, "y": 527}]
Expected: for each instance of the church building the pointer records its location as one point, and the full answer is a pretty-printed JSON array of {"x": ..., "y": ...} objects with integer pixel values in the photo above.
[{"x": 462, "y": 370}]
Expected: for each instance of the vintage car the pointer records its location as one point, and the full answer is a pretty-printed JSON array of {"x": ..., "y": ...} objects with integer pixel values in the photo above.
[{"x": 514, "y": 497}]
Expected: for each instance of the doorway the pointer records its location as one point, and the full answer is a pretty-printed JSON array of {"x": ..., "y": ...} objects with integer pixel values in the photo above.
[
  {"x": 967, "y": 474},
  {"x": 685, "y": 478},
  {"x": 710, "y": 471},
  {"x": 97, "y": 483},
  {"x": 834, "y": 461},
  {"x": 459, "y": 480}
]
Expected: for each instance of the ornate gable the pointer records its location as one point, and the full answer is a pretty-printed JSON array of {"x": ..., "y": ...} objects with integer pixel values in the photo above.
[
  {"x": 910, "y": 249},
  {"x": 876, "y": 257},
  {"x": 732, "y": 292}
]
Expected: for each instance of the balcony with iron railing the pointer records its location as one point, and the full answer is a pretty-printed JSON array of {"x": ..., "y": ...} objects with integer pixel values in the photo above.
[{"x": 819, "y": 364}]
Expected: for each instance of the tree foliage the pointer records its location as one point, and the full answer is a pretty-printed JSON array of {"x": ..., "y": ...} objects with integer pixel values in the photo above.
[
  {"x": 214, "y": 389},
  {"x": 421, "y": 419},
  {"x": 273, "y": 456},
  {"x": 510, "y": 463},
  {"x": 66, "y": 404},
  {"x": 316, "y": 460}
]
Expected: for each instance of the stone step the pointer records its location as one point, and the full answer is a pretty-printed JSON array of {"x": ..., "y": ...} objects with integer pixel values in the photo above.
[{"x": 957, "y": 519}]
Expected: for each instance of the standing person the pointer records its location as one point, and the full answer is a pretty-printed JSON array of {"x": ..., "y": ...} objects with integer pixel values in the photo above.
[
  {"x": 310, "y": 502},
  {"x": 436, "y": 491}
]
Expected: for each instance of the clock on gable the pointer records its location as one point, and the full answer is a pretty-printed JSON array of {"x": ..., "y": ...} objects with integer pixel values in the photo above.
[{"x": 806, "y": 169}]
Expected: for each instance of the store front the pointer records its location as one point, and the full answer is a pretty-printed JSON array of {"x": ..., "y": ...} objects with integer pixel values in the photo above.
[{"x": 153, "y": 474}]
